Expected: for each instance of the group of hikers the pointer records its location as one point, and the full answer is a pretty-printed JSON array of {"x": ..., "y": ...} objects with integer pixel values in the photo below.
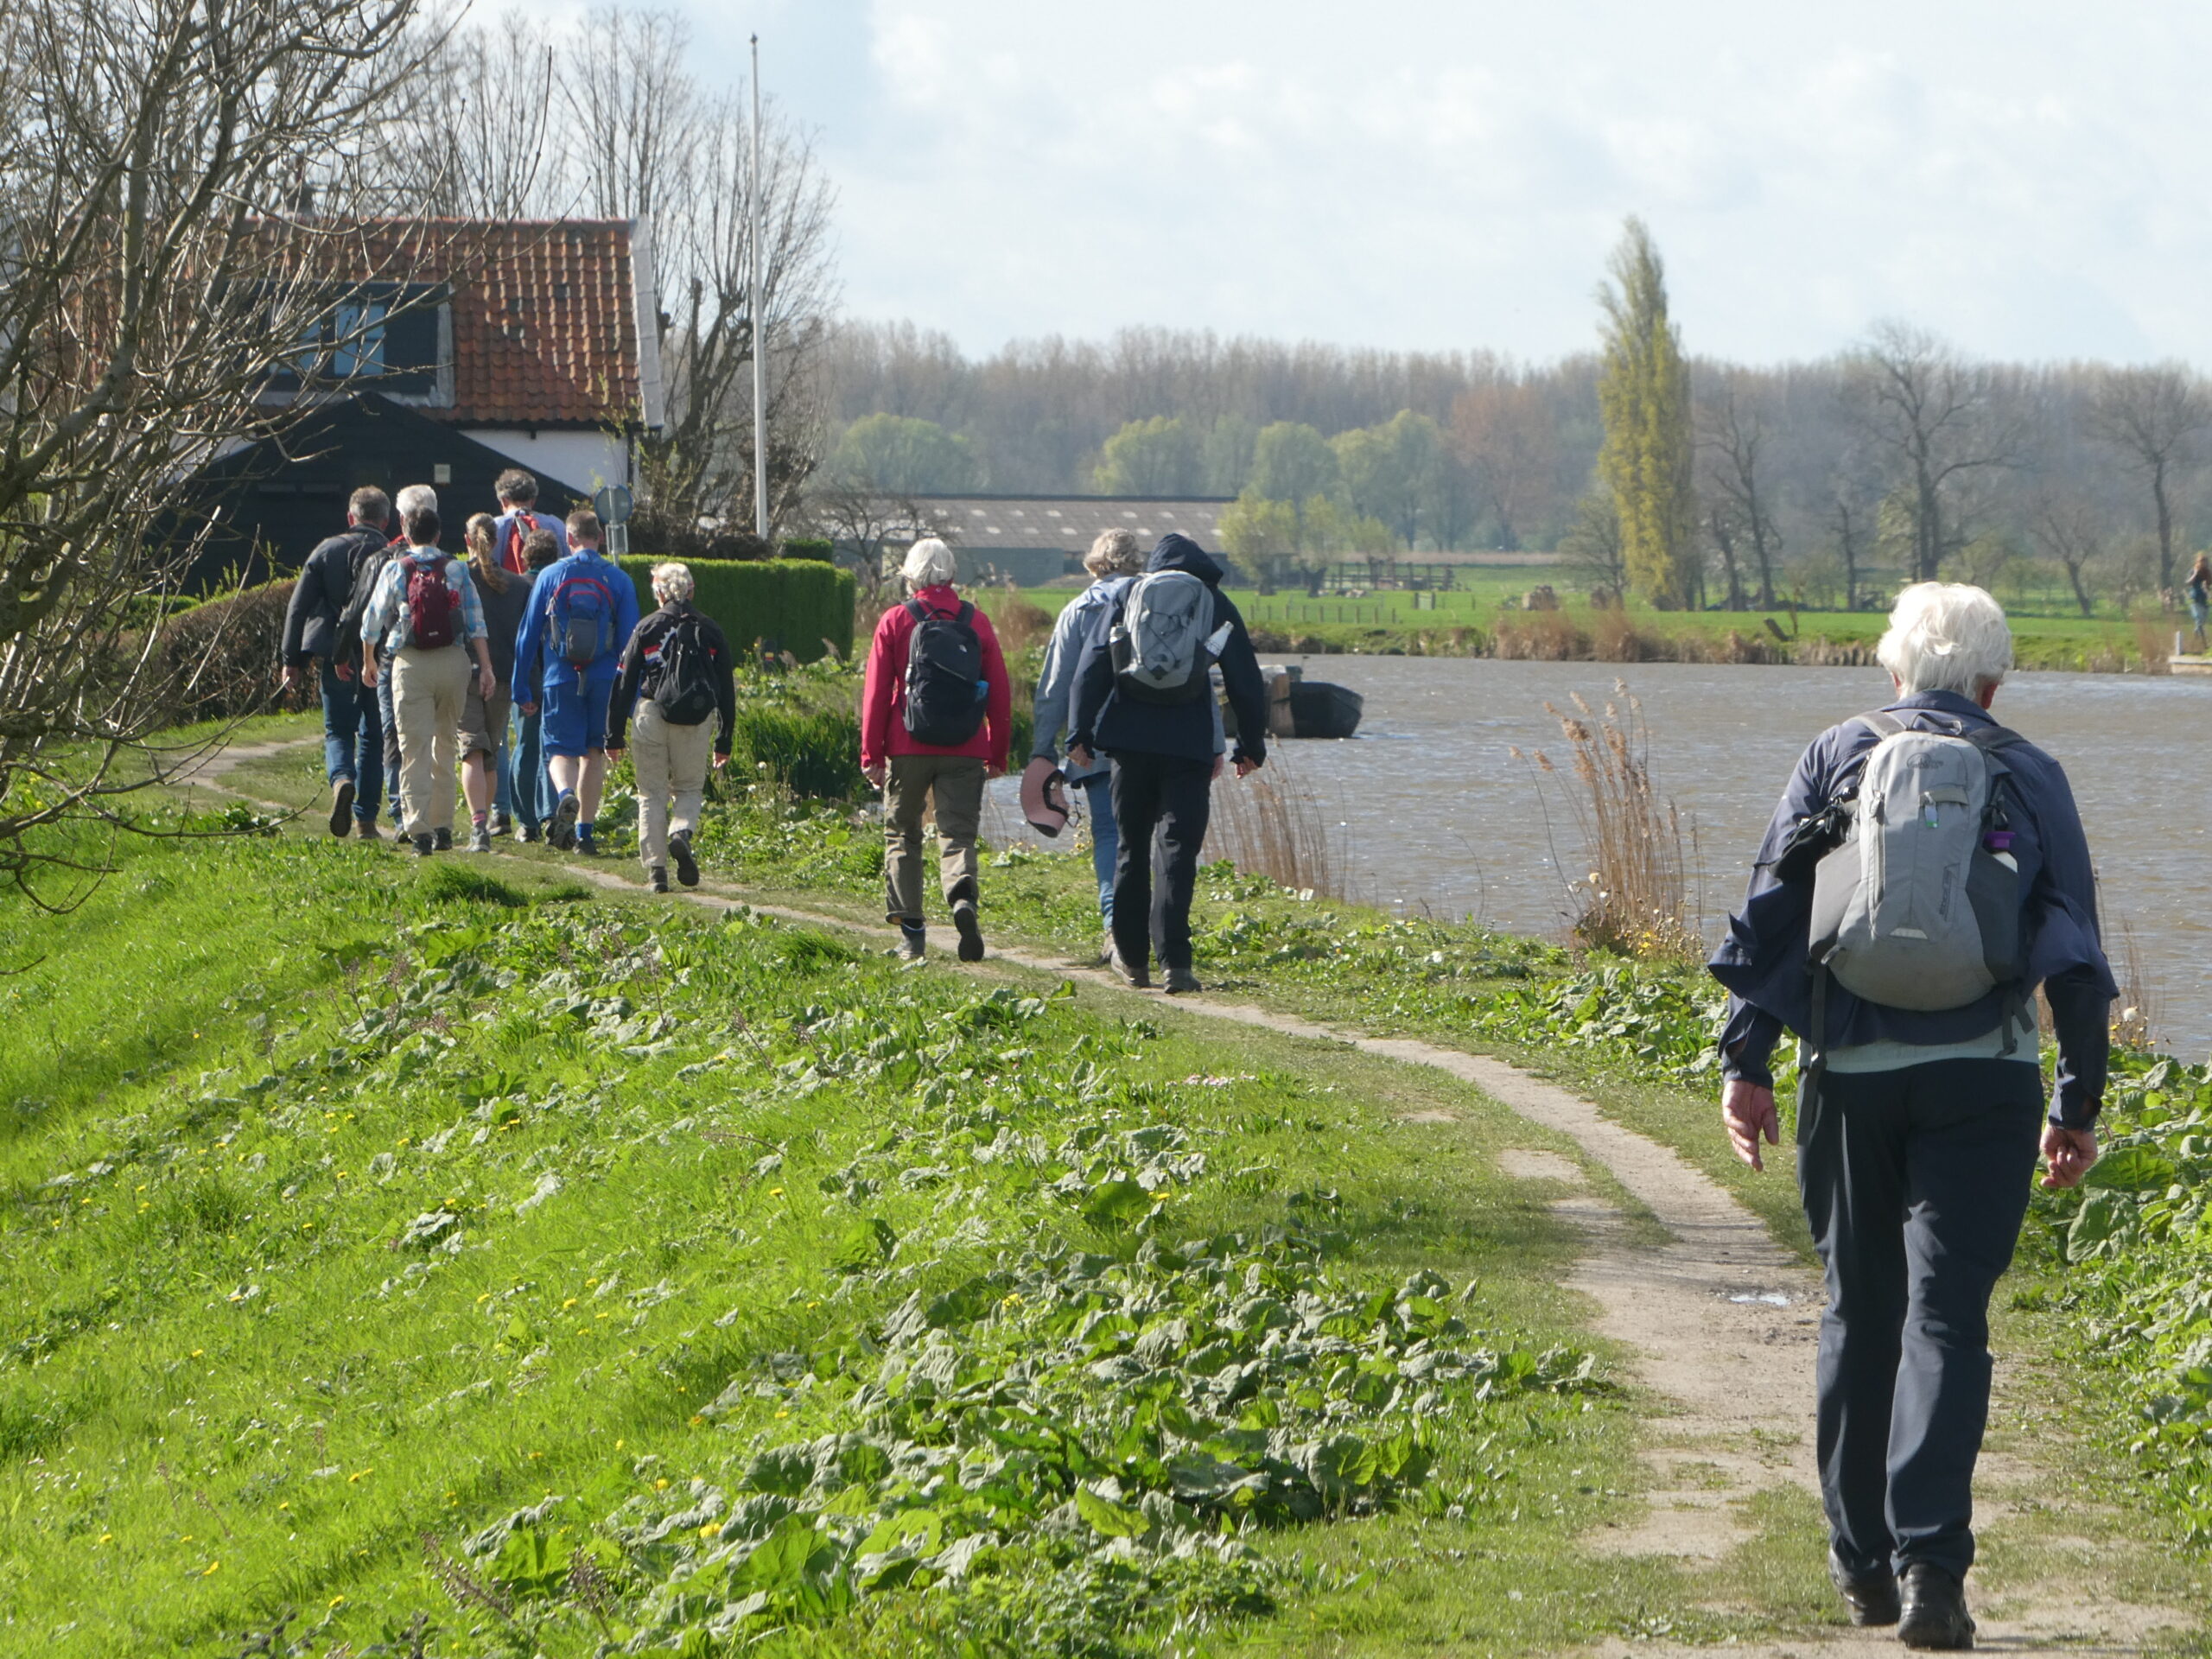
[
  {"x": 1925, "y": 874},
  {"x": 527, "y": 663}
]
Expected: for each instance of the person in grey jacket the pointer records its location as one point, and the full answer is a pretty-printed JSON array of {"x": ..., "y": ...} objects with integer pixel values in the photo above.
[
  {"x": 353, "y": 725},
  {"x": 1916, "y": 1130},
  {"x": 1114, "y": 558}
]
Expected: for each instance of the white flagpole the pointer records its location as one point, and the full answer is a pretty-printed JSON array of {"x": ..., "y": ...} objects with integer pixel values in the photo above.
[{"x": 760, "y": 323}]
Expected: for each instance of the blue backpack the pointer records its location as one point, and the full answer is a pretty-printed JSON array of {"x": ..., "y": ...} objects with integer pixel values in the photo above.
[{"x": 583, "y": 614}]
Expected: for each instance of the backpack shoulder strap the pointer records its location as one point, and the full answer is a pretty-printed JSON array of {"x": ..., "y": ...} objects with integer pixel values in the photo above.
[
  {"x": 967, "y": 617},
  {"x": 919, "y": 611},
  {"x": 1884, "y": 723}
]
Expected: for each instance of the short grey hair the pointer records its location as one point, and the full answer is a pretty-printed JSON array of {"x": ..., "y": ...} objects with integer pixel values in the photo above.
[
  {"x": 929, "y": 563},
  {"x": 415, "y": 496},
  {"x": 1115, "y": 553},
  {"x": 673, "y": 580},
  {"x": 1946, "y": 636}
]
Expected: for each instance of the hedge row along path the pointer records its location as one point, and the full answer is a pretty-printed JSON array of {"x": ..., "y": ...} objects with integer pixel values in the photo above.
[{"x": 1722, "y": 1322}]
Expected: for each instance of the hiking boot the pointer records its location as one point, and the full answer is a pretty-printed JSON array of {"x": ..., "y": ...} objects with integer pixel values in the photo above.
[
  {"x": 971, "y": 930},
  {"x": 1181, "y": 981},
  {"x": 367, "y": 829},
  {"x": 1934, "y": 1610},
  {"x": 912, "y": 936},
  {"x": 560, "y": 834},
  {"x": 530, "y": 832},
  {"x": 424, "y": 846},
  {"x": 1106, "y": 949},
  {"x": 341, "y": 807},
  {"x": 656, "y": 879},
  {"x": 1140, "y": 977},
  {"x": 586, "y": 845},
  {"x": 501, "y": 823},
  {"x": 687, "y": 867},
  {"x": 1869, "y": 1598},
  {"x": 479, "y": 839},
  {"x": 444, "y": 834}
]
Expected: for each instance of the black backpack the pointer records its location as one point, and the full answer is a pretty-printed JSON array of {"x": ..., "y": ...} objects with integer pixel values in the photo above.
[
  {"x": 368, "y": 563},
  {"x": 683, "y": 689},
  {"x": 945, "y": 688}
]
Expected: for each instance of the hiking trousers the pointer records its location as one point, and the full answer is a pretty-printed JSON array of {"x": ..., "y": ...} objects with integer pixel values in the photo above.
[
  {"x": 429, "y": 689},
  {"x": 1915, "y": 1182},
  {"x": 1161, "y": 805},
  {"x": 388, "y": 716},
  {"x": 955, "y": 784},
  {"x": 667, "y": 759},
  {"x": 1105, "y": 840}
]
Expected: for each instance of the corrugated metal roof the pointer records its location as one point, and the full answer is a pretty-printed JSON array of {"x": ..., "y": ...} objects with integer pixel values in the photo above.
[{"x": 1071, "y": 522}]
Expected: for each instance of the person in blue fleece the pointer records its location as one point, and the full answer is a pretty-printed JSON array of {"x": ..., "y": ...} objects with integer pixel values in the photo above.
[{"x": 582, "y": 610}]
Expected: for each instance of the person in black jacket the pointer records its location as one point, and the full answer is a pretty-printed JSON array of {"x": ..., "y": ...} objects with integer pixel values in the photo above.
[
  {"x": 670, "y": 757},
  {"x": 352, "y": 727},
  {"x": 1165, "y": 762}
]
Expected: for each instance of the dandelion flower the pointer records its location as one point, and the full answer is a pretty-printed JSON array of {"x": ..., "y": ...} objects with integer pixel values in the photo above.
[
  {"x": 107, "y": 1537},
  {"x": 359, "y": 1474},
  {"x": 712, "y": 1529},
  {"x": 209, "y": 1571},
  {"x": 566, "y": 1305},
  {"x": 775, "y": 1191},
  {"x": 661, "y": 1485},
  {"x": 197, "y": 1353}
]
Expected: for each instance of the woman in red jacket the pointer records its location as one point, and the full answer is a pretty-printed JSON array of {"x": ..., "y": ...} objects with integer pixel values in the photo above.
[{"x": 935, "y": 722}]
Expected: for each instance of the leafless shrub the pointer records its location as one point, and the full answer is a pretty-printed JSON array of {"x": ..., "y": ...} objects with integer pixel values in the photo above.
[
  {"x": 1270, "y": 824},
  {"x": 1634, "y": 898},
  {"x": 2135, "y": 1012},
  {"x": 457, "y": 1581}
]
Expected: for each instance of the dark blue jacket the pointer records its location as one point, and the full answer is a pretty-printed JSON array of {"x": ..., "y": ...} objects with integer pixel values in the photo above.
[
  {"x": 1102, "y": 719},
  {"x": 1762, "y": 961}
]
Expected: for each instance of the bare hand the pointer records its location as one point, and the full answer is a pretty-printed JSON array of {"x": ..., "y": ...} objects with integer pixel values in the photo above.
[
  {"x": 1748, "y": 1110},
  {"x": 721, "y": 760},
  {"x": 343, "y": 671},
  {"x": 486, "y": 683},
  {"x": 528, "y": 708},
  {"x": 2069, "y": 1152},
  {"x": 614, "y": 753},
  {"x": 291, "y": 680},
  {"x": 1079, "y": 756},
  {"x": 1246, "y": 766},
  {"x": 875, "y": 774},
  {"x": 1220, "y": 765},
  {"x": 369, "y": 675},
  {"x": 994, "y": 772}
]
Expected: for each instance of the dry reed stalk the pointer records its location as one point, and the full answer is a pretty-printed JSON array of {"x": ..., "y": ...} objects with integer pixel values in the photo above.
[
  {"x": 1636, "y": 899},
  {"x": 2135, "y": 1012},
  {"x": 1019, "y": 623},
  {"x": 1270, "y": 825}
]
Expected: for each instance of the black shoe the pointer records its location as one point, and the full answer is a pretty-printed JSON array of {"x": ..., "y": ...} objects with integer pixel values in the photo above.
[
  {"x": 445, "y": 838},
  {"x": 1181, "y": 981},
  {"x": 530, "y": 832},
  {"x": 687, "y": 867},
  {"x": 912, "y": 941},
  {"x": 424, "y": 846},
  {"x": 971, "y": 930},
  {"x": 656, "y": 879},
  {"x": 560, "y": 834},
  {"x": 479, "y": 839},
  {"x": 341, "y": 807},
  {"x": 1871, "y": 1598},
  {"x": 586, "y": 845},
  {"x": 501, "y": 823},
  {"x": 367, "y": 831},
  {"x": 1140, "y": 977},
  {"x": 1934, "y": 1613}
]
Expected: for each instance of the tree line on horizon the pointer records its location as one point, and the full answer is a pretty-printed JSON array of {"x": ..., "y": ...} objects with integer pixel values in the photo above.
[{"x": 1688, "y": 481}]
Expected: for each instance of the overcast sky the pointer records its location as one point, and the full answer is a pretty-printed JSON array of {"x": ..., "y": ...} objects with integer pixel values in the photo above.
[{"x": 2026, "y": 178}]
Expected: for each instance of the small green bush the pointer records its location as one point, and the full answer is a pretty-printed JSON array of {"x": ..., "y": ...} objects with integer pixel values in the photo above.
[
  {"x": 813, "y": 548},
  {"x": 798, "y": 605}
]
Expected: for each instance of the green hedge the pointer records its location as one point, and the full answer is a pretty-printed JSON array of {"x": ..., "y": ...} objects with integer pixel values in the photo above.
[{"x": 797, "y": 605}]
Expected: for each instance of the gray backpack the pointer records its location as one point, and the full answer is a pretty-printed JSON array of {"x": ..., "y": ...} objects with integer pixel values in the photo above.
[
  {"x": 1919, "y": 905},
  {"x": 1160, "y": 645}
]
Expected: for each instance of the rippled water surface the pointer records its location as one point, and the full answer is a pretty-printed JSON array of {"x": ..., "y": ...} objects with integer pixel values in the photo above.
[{"x": 1436, "y": 812}]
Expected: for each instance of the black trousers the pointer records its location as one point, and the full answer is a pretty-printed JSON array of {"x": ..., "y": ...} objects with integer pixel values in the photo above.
[
  {"x": 1915, "y": 1182},
  {"x": 1162, "y": 803}
]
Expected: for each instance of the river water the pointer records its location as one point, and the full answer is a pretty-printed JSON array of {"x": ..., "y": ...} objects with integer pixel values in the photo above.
[{"x": 1436, "y": 814}]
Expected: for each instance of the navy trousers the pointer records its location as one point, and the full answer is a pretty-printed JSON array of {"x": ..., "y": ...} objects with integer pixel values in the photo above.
[
  {"x": 1915, "y": 1182},
  {"x": 1161, "y": 805}
]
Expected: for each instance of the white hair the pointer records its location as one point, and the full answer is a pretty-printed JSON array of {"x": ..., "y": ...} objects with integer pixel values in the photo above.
[
  {"x": 416, "y": 497},
  {"x": 673, "y": 580},
  {"x": 929, "y": 563},
  {"x": 1946, "y": 636},
  {"x": 1115, "y": 553}
]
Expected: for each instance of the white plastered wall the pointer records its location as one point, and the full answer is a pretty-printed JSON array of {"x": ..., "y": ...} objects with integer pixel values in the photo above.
[{"x": 581, "y": 460}]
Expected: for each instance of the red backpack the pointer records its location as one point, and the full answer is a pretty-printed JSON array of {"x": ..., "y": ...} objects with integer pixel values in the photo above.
[{"x": 433, "y": 607}]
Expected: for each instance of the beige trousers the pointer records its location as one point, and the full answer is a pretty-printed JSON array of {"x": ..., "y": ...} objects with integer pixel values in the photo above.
[
  {"x": 429, "y": 690},
  {"x": 955, "y": 782},
  {"x": 668, "y": 761}
]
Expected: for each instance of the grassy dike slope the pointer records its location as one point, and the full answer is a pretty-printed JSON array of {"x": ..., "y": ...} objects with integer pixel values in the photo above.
[{"x": 409, "y": 1249}]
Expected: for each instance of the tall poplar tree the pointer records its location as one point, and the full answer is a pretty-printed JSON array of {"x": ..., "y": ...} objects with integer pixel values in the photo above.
[{"x": 1643, "y": 395}]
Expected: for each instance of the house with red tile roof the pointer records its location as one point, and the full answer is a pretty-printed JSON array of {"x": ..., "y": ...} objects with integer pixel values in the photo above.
[{"x": 452, "y": 350}]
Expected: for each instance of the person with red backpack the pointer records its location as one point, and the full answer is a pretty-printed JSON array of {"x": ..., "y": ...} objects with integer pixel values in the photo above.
[
  {"x": 934, "y": 722},
  {"x": 582, "y": 611},
  {"x": 518, "y": 517},
  {"x": 425, "y": 606}
]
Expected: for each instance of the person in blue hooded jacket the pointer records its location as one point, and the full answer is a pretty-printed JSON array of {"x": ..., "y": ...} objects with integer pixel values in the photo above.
[
  {"x": 1917, "y": 1131},
  {"x": 587, "y": 594},
  {"x": 1165, "y": 760}
]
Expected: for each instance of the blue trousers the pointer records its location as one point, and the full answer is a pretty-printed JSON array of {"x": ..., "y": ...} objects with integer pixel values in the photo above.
[
  {"x": 1105, "y": 839},
  {"x": 532, "y": 791},
  {"x": 1915, "y": 1182},
  {"x": 353, "y": 740},
  {"x": 391, "y": 734}
]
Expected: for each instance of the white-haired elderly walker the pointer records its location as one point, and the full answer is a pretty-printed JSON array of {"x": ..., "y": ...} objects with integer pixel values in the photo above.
[
  {"x": 1925, "y": 871},
  {"x": 678, "y": 671},
  {"x": 934, "y": 725}
]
